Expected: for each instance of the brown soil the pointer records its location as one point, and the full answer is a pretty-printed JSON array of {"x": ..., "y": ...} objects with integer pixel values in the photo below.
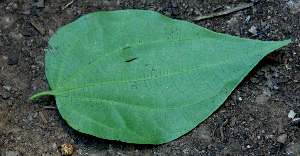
[{"x": 256, "y": 112}]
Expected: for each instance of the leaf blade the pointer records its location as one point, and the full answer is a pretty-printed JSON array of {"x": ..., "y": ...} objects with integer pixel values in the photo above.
[{"x": 180, "y": 74}]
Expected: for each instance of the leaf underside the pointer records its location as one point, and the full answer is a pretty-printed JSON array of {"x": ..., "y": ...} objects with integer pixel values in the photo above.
[{"x": 140, "y": 77}]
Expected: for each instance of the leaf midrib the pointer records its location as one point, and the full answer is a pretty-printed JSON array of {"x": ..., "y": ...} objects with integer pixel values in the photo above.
[
  {"x": 163, "y": 76},
  {"x": 135, "y": 106}
]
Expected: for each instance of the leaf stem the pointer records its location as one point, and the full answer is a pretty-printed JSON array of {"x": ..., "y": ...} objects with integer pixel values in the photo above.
[{"x": 42, "y": 93}]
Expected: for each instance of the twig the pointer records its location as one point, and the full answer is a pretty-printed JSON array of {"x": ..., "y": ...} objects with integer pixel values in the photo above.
[
  {"x": 221, "y": 129},
  {"x": 67, "y": 5},
  {"x": 225, "y": 12},
  {"x": 43, "y": 21},
  {"x": 49, "y": 107},
  {"x": 51, "y": 50},
  {"x": 43, "y": 117}
]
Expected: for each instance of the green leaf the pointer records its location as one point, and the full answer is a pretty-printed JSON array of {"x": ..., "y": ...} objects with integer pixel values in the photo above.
[{"x": 141, "y": 77}]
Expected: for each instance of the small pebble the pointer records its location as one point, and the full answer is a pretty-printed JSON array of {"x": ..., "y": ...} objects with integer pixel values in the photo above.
[
  {"x": 33, "y": 66},
  {"x": 19, "y": 138},
  {"x": 5, "y": 57},
  {"x": 9, "y": 103},
  {"x": 253, "y": 30},
  {"x": 38, "y": 26},
  {"x": 15, "y": 35},
  {"x": 248, "y": 18},
  {"x": 262, "y": 23},
  {"x": 143, "y": 1},
  {"x": 54, "y": 146},
  {"x": 12, "y": 6},
  {"x": 51, "y": 32},
  {"x": 13, "y": 60},
  {"x": 5, "y": 95},
  {"x": 295, "y": 121},
  {"x": 28, "y": 12},
  {"x": 29, "y": 118},
  {"x": 6, "y": 21},
  {"x": 292, "y": 114},
  {"x": 281, "y": 129},
  {"x": 12, "y": 153},
  {"x": 282, "y": 138},
  {"x": 67, "y": 149},
  {"x": 269, "y": 136},
  {"x": 79, "y": 12},
  {"x": 293, "y": 148},
  {"x": 233, "y": 22},
  {"x": 174, "y": 4},
  {"x": 40, "y": 4},
  {"x": 148, "y": 2},
  {"x": 7, "y": 88}
]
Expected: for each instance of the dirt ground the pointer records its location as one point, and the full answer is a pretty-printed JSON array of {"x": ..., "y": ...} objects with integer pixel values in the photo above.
[{"x": 253, "y": 121}]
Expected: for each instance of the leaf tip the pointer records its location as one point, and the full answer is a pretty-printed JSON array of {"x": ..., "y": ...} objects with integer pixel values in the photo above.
[{"x": 286, "y": 42}]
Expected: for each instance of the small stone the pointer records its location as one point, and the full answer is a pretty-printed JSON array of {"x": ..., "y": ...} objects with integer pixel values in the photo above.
[
  {"x": 9, "y": 103},
  {"x": 7, "y": 88},
  {"x": 295, "y": 121},
  {"x": 251, "y": 119},
  {"x": 54, "y": 146},
  {"x": 6, "y": 21},
  {"x": 29, "y": 118},
  {"x": 51, "y": 32},
  {"x": 32, "y": 66},
  {"x": 233, "y": 22},
  {"x": 233, "y": 121},
  {"x": 253, "y": 79},
  {"x": 174, "y": 4},
  {"x": 67, "y": 149},
  {"x": 248, "y": 18},
  {"x": 143, "y": 1},
  {"x": 79, "y": 12},
  {"x": 281, "y": 129},
  {"x": 15, "y": 35},
  {"x": 12, "y": 6},
  {"x": 28, "y": 12},
  {"x": 38, "y": 26},
  {"x": 293, "y": 148},
  {"x": 186, "y": 151},
  {"x": 5, "y": 95},
  {"x": 12, "y": 153},
  {"x": 282, "y": 138},
  {"x": 263, "y": 24},
  {"x": 292, "y": 114},
  {"x": 253, "y": 30},
  {"x": 40, "y": 4},
  {"x": 13, "y": 60},
  {"x": 269, "y": 136},
  {"x": 148, "y": 2}
]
